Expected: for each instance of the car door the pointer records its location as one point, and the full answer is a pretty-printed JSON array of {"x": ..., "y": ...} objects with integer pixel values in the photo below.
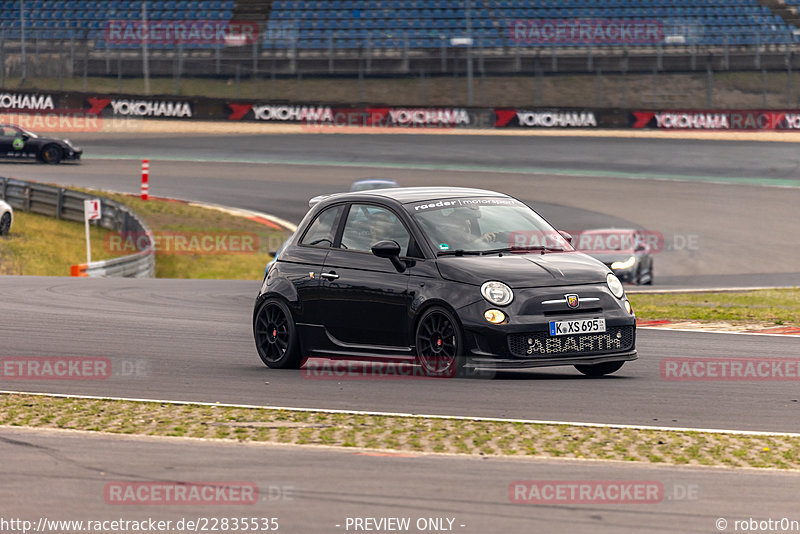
[
  {"x": 7, "y": 136},
  {"x": 301, "y": 264},
  {"x": 366, "y": 298}
]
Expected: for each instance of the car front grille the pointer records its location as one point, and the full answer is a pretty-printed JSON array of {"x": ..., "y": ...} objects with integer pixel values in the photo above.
[{"x": 537, "y": 344}]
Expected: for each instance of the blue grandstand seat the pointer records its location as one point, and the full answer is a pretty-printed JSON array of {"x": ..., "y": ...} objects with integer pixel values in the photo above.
[{"x": 419, "y": 23}]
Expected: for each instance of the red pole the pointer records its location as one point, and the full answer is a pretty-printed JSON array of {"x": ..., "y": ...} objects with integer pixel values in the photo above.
[{"x": 145, "y": 179}]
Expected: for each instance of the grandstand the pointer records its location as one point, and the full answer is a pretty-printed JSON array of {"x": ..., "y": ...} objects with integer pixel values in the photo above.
[
  {"x": 320, "y": 24},
  {"x": 426, "y": 23},
  {"x": 413, "y": 35}
]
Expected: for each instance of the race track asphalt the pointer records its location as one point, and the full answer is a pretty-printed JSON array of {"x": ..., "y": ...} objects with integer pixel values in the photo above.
[
  {"x": 191, "y": 340},
  {"x": 314, "y": 490}
]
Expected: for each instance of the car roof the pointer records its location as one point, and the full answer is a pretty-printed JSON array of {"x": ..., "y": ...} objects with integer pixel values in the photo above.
[
  {"x": 406, "y": 195},
  {"x": 375, "y": 181}
]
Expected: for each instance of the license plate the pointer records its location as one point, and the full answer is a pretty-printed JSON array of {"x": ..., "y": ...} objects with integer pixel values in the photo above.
[{"x": 579, "y": 326}]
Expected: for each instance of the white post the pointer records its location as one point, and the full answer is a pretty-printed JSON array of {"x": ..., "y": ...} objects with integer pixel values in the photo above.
[
  {"x": 88, "y": 239},
  {"x": 91, "y": 212}
]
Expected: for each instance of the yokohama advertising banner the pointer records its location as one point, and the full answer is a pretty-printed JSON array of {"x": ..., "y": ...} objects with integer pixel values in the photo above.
[
  {"x": 545, "y": 118},
  {"x": 139, "y": 107},
  {"x": 717, "y": 119},
  {"x": 312, "y": 115}
]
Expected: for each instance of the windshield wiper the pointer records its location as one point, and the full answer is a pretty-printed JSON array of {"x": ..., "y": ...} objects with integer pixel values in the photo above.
[
  {"x": 460, "y": 252},
  {"x": 523, "y": 249}
]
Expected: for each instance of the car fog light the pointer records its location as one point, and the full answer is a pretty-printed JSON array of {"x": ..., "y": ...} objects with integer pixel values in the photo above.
[
  {"x": 494, "y": 316},
  {"x": 628, "y": 307}
]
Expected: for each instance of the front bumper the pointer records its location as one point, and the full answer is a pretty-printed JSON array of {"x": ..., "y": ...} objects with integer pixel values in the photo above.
[
  {"x": 524, "y": 341},
  {"x": 491, "y": 361}
]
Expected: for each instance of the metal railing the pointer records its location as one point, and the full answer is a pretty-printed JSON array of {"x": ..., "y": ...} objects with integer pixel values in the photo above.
[{"x": 67, "y": 204}]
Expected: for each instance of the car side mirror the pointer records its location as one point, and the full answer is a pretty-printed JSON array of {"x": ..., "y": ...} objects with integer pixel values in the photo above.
[
  {"x": 390, "y": 250},
  {"x": 566, "y": 235}
]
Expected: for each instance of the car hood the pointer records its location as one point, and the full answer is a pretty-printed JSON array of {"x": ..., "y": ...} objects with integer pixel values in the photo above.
[
  {"x": 608, "y": 259},
  {"x": 524, "y": 270}
]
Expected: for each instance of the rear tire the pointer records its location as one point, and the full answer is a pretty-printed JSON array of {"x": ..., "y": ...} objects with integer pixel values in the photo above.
[
  {"x": 51, "y": 154},
  {"x": 439, "y": 344},
  {"x": 5, "y": 224},
  {"x": 599, "y": 369},
  {"x": 276, "y": 336}
]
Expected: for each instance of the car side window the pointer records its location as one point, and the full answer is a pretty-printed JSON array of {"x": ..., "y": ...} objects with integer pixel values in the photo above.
[
  {"x": 323, "y": 230},
  {"x": 367, "y": 224}
]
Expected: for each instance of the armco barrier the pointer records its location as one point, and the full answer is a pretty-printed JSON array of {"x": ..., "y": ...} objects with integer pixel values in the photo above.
[{"x": 63, "y": 203}]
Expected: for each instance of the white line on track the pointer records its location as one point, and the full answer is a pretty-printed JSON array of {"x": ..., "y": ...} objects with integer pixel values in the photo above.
[{"x": 416, "y": 415}]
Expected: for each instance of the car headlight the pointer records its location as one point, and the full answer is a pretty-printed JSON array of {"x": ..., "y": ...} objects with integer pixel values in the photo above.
[
  {"x": 615, "y": 286},
  {"x": 497, "y": 293},
  {"x": 627, "y": 264}
]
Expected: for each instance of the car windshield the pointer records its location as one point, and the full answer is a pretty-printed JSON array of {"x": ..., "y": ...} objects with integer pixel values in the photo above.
[
  {"x": 16, "y": 131},
  {"x": 485, "y": 225},
  {"x": 27, "y": 132}
]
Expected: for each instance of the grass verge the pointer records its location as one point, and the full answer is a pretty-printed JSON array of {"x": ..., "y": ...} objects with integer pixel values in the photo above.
[
  {"x": 192, "y": 242},
  {"x": 43, "y": 246},
  {"x": 173, "y": 220},
  {"x": 416, "y": 434},
  {"x": 768, "y": 306}
]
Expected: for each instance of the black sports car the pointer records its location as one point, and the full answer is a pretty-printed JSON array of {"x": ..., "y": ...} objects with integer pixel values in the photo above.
[
  {"x": 17, "y": 142},
  {"x": 628, "y": 252},
  {"x": 452, "y": 279}
]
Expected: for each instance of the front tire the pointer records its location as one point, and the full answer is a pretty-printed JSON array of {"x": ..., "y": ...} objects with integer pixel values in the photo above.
[
  {"x": 276, "y": 336},
  {"x": 5, "y": 224},
  {"x": 439, "y": 344},
  {"x": 649, "y": 276},
  {"x": 599, "y": 369},
  {"x": 51, "y": 154}
]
